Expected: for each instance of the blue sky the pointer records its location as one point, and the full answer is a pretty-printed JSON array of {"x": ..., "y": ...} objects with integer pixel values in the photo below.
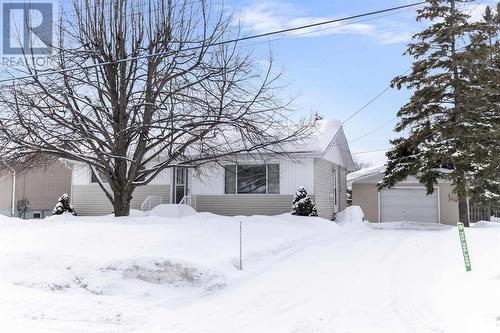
[{"x": 336, "y": 71}]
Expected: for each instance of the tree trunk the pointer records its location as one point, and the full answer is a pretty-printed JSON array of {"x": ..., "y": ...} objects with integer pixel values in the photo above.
[
  {"x": 463, "y": 213},
  {"x": 121, "y": 203}
]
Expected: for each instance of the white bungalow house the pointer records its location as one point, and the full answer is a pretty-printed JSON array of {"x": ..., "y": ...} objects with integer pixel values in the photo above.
[{"x": 245, "y": 186}]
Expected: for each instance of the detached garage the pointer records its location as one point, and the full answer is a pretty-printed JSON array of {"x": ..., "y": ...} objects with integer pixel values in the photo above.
[
  {"x": 408, "y": 201},
  {"x": 408, "y": 204}
]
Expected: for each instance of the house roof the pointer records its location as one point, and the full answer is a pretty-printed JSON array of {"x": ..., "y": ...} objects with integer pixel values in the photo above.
[
  {"x": 328, "y": 140},
  {"x": 365, "y": 173},
  {"x": 319, "y": 141}
]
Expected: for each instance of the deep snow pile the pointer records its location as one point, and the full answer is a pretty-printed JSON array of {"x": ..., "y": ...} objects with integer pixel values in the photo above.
[
  {"x": 352, "y": 217},
  {"x": 172, "y": 210},
  {"x": 300, "y": 274},
  {"x": 485, "y": 224}
]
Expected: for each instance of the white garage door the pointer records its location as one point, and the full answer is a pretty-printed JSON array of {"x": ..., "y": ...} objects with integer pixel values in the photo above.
[{"x": 408, "y": 204}]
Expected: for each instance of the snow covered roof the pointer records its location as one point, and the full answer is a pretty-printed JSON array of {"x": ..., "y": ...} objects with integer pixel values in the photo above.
[
  {"x": 328, "y": 140},
  {"x": 366, "y": 172},
  {"x": 327, "y": 129}
]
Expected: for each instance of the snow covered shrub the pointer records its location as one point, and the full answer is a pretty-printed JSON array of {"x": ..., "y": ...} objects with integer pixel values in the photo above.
[
  {"x": 63, "y": 205},
  {"x": 302, "y": 204}
]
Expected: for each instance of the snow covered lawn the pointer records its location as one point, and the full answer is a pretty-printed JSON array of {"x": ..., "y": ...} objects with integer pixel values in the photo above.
[{"x": 153, "y": 274}]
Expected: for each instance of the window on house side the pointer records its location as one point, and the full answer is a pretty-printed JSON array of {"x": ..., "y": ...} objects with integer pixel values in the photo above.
[
  {"x": 273, "y": 178},
  {"x": 252, "y": 179},
  {"x": 94, "y": 178},
  {"x": 230, "y": 179}
]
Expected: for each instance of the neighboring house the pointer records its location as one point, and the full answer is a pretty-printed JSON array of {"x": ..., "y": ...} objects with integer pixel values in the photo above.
[
  {"x": 407, "y": 201},
  {"x": 38, "y": 186},
  {"x": 246, "y": 185}
]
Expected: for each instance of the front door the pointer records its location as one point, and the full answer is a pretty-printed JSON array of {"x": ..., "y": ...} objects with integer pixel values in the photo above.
[
  {"x": 335, "y": 192},
  {"x": 180, "y": 188}
]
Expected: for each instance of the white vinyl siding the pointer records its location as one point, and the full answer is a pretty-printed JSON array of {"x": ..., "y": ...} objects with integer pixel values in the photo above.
[
  {"x": 209, "y": 179},
  {"x": 82, "y": 175},
  {"x": 324, "y": 187},
  {"x": 409, "y": 204},
  {"x": 91, "y": 200},
  {"x": 242, "y": 204}
]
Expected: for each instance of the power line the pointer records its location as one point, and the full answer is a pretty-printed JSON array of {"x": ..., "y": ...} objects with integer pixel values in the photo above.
[
  {"x": 230, "y": 41},
  {"x": 327, "y": 29},
  {"x": 373, "y": 131},
  {"x": 367, "y": 104},
  {"x": 370, "y": 151},
  {"x": 388, "y": 87}
]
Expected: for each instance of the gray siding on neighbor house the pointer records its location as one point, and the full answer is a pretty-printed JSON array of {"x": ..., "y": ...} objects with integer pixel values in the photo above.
[
  {"x": 244, "y": 204},
  {"x": 323, "y": 187},
  {"x": 41, "y": 186},
  {"x": 91, "y": 200}
]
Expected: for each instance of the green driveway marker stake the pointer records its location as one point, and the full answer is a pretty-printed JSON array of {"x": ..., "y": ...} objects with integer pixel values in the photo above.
[
  {"x": 463, "y": 242},
  {"x": 241, "y": 248}
]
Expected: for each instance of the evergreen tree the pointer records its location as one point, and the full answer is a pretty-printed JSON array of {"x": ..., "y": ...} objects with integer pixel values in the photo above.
[
  {"x": 302, "y": 204},
  {"x": 440, "y": 120},
  {"x": 483, "y": 70},
  {"x": 63, "y": 205}
]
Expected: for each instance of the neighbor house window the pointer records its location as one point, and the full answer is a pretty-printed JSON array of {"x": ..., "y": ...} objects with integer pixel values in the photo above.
[
  {"x": 252, "y": 179},
  {"x": 141, "y": 178},
  {"x": 93, "y": 179}
]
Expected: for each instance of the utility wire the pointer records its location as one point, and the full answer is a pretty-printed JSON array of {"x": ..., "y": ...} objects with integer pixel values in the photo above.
[
  {"x": 234, "y": 40},
  {"x": 374, "y": 130},
  {"x": 298, "y": 35},
  {"x": 389, "y": 86},
  {"x": 370, "y": 151}
]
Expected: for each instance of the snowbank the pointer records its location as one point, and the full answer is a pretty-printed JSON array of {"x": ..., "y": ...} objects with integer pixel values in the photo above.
[
  {"x": 485, "y": 224},
  {"x": 352, "y": 216},
  {"x": 406, "y": 225},
  {"x": 300, "y": 274},
  {"x": 172, "y": 210}
]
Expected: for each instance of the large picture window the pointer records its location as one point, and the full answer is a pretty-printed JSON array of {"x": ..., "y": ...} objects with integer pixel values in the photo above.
[{"x": 252, "y": 179}]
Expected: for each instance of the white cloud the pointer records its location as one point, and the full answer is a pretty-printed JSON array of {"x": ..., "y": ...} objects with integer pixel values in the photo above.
[{"x": 269, "y": 16}]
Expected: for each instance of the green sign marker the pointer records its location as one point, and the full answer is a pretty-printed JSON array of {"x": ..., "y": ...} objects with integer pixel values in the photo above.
[{"x": 463, "y": 242}]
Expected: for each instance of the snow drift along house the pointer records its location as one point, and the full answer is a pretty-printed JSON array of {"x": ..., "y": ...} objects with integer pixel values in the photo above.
[{"x": 245, "y": 186}]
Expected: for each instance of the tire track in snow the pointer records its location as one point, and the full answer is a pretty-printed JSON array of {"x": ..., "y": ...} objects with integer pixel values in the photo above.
[{"x": 408, "y": 301}]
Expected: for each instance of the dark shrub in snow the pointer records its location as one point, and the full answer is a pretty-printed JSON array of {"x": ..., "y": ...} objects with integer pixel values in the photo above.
[
  {"x": 63, "y": 206},
  {"x": 302, "y": 204}
]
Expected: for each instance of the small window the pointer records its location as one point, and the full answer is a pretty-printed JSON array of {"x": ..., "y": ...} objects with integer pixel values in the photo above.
[
  {"x": 37, "y": 215},
  {"x": 94, "y": 178},
  {"x": 335, "y": 190},
  {"x": 252, "y": 179},
  {"x": 273, "y": 178},
  {"x": 230, "y": 179},
  {"x": 143, "y": 176}
]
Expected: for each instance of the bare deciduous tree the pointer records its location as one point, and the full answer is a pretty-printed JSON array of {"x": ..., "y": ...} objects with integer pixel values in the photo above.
[{"x": 137, "y": 88}]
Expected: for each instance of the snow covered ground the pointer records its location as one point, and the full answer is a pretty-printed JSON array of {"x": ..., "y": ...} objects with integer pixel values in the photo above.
[{"x": 157, "y": 274}]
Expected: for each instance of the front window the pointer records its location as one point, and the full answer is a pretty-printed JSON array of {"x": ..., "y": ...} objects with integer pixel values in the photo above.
[{"x": 252, "y": 179}]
